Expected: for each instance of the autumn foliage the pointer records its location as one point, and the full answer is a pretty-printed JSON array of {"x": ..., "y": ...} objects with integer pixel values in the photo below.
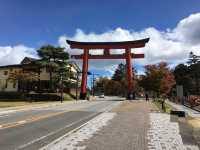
[{"x": 158, "y": 78}]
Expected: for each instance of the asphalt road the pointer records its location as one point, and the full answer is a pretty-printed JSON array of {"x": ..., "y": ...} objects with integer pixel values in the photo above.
[{"x": 36, "y": 128}]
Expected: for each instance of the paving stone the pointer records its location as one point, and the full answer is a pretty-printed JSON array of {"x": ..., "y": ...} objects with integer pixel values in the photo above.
[
  {"x": 133, "y": 126},
  {"x": 164, "y": 133}
]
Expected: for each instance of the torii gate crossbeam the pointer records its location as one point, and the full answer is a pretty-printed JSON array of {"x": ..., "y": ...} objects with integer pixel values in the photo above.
[{"x": 106, "y": 46}]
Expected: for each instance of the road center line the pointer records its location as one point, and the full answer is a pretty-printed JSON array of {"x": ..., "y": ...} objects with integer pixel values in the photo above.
[
  {"x": 30, "y": 119},
  {"x": 106, "y": 109},
  {"x": 54, "y": 132}
]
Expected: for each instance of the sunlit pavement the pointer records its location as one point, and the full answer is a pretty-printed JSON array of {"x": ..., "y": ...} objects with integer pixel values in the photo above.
[
  {"x": 99, "y": 125},
  {"x": 35, "y": 128},
  {"x": 133, "y": 126},
  {"x": 189, "y": 111},
  {"x": 167, "y": 134}
]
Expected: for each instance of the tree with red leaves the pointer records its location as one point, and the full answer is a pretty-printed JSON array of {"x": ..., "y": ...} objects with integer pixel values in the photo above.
[{"x": 158, "y": 78}]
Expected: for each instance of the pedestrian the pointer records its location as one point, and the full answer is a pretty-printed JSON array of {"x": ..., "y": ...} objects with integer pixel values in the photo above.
[{"x": 147, "y": 97}]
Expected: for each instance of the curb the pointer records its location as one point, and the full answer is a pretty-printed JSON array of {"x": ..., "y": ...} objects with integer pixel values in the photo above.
[{"x": 25, "y": 108}]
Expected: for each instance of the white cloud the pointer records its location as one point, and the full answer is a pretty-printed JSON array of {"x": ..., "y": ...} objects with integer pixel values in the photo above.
[
  {"x": 188, "y": 29},
  {"x": 13, "y": 55},
  {"x": 171, "y": 45}
]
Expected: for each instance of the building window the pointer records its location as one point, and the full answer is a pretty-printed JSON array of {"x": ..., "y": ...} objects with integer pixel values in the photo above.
[
  {"x": 14, "y": 85},
  {"x": 5, "y": 73},
  {"x": 6, "y": 85}
]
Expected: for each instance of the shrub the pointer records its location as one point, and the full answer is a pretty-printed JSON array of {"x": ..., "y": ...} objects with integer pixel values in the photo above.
[
  {"x": 14, "y": 96},
  {"x": 19, "y": 96},
  {"x": 44, "y": 97}
]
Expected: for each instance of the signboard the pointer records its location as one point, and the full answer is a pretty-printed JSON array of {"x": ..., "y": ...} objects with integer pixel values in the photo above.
[{"x": 179, "y": 91}]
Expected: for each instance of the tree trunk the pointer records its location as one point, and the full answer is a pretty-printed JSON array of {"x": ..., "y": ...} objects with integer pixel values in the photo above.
[
  {"x": 197, "y": 83},
  {"x": 50, "y": 79},
  {"x": 38, "y": 86}
]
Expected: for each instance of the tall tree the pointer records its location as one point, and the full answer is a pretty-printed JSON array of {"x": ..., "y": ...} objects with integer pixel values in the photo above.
[
  {"x": 53, "y": 58},
  {"x": 117, "y": 85},
  {"x": 108, "y": 86},
  {"x": 113, "y": 88},
  {"x": 194, "y": 71},
  {"x": 182, "y": 77},
  {"x": 158, "y": 78},
  {"x": 193, "y": 59},
  {"x": 120, "y": 73},
  {"x": 100, "y": 84}
]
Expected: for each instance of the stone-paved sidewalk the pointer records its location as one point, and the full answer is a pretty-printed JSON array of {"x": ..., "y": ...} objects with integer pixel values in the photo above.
[
  {"x": 127, "y": 131},
  {"x": 193, "y": 118},
  {"x": 136, "y": 125},
  {"x": 189, "y": 111}
]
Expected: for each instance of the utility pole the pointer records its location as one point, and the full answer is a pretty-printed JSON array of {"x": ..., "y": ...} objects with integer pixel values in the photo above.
[
  {"x": 61, "y": 79},
  {"x": 93, "y": 82},
  {"x": 77, "y": 80}
]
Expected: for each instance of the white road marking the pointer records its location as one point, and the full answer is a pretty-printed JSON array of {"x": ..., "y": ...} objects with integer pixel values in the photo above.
[
  {"x": 1, "y": 116},
  {"x": 7, "y": 112},
  {"x": 51, "y": 133},
  {"x": 69, "y": 141},
  {"x": 22, "y": 122}
]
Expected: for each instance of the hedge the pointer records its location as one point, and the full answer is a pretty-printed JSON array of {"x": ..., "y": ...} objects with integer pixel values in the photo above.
[
  {"x": 11, "y": 96},
  {"x": 19, "y": 96}
]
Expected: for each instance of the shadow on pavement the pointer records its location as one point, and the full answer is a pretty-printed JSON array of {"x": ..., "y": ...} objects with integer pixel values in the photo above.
[{"x": 186, "y": 131}]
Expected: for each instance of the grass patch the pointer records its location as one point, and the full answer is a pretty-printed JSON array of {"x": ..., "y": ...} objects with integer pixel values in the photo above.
[
  {"x": 158, "y": 103},
  {"x": 68, "y": 97},
  {"x": 24, "y": 102},
  {"x": 5, "y": 104}
]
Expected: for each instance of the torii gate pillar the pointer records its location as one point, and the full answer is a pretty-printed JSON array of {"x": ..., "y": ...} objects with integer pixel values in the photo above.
[
  {"x": 129, "y": 75},
  {"x": 84, "y": 74}
]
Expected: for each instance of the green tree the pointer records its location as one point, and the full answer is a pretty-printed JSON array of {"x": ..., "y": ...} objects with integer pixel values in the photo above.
[
  {"x": 113, "y": 88},
  {"x": 194, "y": 71},
  {"x": 193, "y": 59},
  {"x": 108, "y": 86},
  {"x": 117, "y": 85},
  {"x": 182, "y": 77},
  {"x": 23, "y": 78},
  {"x": 120, "y": 73},
  {"x": 54, "y": 59},
  {"x": 100, "y": 84}
]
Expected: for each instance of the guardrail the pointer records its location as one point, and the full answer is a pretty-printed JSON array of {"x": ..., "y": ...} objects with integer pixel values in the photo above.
[{"x": 192, "y": 101}]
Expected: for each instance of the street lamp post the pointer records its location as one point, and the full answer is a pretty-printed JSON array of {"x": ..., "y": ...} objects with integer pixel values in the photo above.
[
  {"x": 93, "y": 82},
  {"x": 61, "y": 89},
  {"x": 77, "y": 80}
]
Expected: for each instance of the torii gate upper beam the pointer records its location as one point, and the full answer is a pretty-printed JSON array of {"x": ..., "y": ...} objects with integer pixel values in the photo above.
[
  {"x": 115, "y": 56},
  {"x": 108, "y": 45}
]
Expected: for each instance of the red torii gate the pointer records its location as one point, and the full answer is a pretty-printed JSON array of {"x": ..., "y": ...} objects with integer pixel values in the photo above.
[{"x": 106, "y": 46}]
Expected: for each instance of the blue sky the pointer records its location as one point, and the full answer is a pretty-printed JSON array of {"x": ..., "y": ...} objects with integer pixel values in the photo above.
[
  {"x": 27, "y": 25},
  {"x": 34, "y": 23}
]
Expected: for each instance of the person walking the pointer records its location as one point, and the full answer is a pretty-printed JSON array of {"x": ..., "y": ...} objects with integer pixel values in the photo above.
[{"x": 147, "y": 97}]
